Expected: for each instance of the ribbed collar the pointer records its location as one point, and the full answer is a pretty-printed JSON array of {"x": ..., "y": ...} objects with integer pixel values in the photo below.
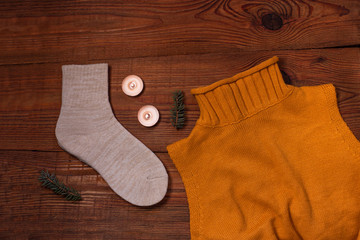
[{"x": 238, "y": 97}]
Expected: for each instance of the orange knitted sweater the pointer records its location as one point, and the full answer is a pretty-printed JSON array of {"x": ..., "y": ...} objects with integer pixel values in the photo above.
[{"x": 267, "y": 160}]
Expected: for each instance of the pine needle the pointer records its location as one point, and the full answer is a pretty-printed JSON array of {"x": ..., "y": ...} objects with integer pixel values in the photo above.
[
  {"x": 50, "y": 181},
  {"x": 178, "y": 110}
]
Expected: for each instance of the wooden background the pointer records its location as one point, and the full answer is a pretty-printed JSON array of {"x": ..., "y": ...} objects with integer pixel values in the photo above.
[{"x": 171, "y": 45}]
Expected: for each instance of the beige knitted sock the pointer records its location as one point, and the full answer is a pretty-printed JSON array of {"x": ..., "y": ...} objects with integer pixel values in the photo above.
[{"x": 87, "y": 129}]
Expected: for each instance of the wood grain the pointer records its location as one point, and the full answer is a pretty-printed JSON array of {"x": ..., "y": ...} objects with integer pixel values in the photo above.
[
  {"x": 43, "y": 31},
  {"x": 172, "y": 45},
  {"x": 30, "y": 105},
  {"x": 33, "y": 212}
]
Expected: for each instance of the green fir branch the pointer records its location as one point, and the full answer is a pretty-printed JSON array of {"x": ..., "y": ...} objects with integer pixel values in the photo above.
[
  {"x": 178, "y": 110},
  {"x": 50, "y": 181}
]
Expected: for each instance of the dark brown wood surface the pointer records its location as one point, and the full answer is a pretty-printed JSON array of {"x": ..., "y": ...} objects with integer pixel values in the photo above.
[{"x": 171, "y": 45}]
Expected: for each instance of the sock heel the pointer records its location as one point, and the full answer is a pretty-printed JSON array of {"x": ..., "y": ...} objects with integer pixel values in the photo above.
[{"x": 68, "y": 137}]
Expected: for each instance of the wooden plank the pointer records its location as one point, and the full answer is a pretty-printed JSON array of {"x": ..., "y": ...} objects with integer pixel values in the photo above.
[
  {"x": 56, "y": 31},
  {"x": 171, "y": 45},
  {"x": 29, "y": 211},
  {"x": 30, "y": 96}
]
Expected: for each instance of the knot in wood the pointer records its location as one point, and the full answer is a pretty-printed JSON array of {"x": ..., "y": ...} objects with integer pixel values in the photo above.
[{"x": 272, "y": 21}]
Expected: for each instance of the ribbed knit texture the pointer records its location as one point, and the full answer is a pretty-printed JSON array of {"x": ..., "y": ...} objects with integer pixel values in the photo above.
[
  {"x": 88, "y": 129},
  {"x": 267, "y": 160},
  {"x": 242, "y": 95}
]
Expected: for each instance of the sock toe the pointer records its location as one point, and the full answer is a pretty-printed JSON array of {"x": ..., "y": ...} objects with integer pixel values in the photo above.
[
  {"x": 145, "y": 188},
  {"x": 153, "y": 189},
  {"x": 157, "y": 187}
]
